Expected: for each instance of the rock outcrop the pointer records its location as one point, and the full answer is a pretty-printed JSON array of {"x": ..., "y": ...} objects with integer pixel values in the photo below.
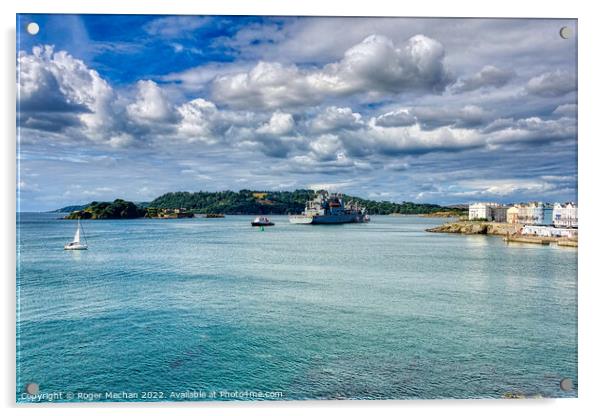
[{"x": 476, "y": 227}]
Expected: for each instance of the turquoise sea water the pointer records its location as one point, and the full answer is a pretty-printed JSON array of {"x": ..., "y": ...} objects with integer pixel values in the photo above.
[{"x": 213, "y": 309}]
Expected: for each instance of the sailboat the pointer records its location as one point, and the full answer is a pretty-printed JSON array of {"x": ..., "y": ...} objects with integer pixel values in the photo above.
[{"x": 76, "y": 244}]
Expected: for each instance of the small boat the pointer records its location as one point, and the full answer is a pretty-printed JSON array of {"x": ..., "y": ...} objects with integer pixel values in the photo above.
[
  {"x": 76, "y": 244},
  {"x": 261, "y": 221}
]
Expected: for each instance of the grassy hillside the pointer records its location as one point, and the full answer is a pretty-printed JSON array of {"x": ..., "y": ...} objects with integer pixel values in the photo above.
[
  {"x": 118, "y": 209},
  {"x": 278, "y": 202}
]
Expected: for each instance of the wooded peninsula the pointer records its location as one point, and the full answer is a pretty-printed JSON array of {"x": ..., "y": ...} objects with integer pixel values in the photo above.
[{"x": 244, "y": 202}]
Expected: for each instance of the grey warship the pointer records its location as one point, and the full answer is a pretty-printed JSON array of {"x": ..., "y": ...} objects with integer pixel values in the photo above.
[{"x": 329, "y": 209}]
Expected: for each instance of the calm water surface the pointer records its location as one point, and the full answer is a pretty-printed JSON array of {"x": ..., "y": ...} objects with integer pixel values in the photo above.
[{"x": 366, "y": 311}]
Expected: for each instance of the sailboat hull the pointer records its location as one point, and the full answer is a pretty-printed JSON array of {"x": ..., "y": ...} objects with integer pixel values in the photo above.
[{"x": 76, "y": 247}]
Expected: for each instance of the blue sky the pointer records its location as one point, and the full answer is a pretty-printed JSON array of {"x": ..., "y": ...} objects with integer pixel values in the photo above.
[{"x": 426, "y": 110}]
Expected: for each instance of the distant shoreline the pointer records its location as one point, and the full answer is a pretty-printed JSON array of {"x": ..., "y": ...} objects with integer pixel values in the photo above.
[{"x": 245, "y": 202}]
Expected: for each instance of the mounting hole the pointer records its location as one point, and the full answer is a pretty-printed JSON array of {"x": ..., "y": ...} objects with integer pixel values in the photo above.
[
  {"x": 32, "y": 388},
  {"x": 33, "y": 28},
  {"x": 565, "y": 32},
  {"x": 566, "y": 384}
]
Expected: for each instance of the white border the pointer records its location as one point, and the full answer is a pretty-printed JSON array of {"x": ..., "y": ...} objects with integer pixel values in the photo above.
[{"x": 589, "y": 195}]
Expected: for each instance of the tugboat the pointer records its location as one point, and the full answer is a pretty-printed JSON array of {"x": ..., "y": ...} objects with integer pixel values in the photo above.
[
  {"x": 261, "y": 222},
  {"x": 329, "y": 209}
]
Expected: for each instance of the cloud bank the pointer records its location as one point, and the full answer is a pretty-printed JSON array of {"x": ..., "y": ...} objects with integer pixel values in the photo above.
[{"x": 410, "y": 116}]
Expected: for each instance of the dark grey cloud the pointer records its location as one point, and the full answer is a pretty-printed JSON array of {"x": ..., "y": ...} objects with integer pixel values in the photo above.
[
  {"x": 531, "y": 129},
  {"x": 48, "y": 121},
  {"x": 568, "y": 110},
  {"x": 467, "y": 116},
  {"x": 552, "y": 84},
  {"x": 47, "y": 97},
  {"x": 489, "y": 76},
  {"x": 275, "y": 147},
  {"x": 498, "y": 124}
]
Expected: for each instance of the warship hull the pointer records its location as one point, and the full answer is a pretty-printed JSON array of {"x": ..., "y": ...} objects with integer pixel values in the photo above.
[
  {"x": 325, "y": 219},
  {"x": 300, "y": 219}
]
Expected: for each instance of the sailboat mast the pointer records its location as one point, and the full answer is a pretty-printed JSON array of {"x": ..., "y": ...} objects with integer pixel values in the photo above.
[{"x": 83, "y": 232}]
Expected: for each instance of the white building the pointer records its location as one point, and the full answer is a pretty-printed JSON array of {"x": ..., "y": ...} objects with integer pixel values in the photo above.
[
  {"x": 531, "y": 213},
  {"x": 547, "y": 231},
  {"x": 482, "y": 211},
  {"x": 565, "y": 215}
]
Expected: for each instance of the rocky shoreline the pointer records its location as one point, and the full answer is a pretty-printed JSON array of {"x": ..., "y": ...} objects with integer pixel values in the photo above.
[{"x": 476, "y": 227}]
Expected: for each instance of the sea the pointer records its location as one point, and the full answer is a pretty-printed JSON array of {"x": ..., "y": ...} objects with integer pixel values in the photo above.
[{"x": 214, "y": 309}]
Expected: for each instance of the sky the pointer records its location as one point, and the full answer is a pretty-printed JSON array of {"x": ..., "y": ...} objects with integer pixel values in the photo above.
[{"x": 445, "y": 111}]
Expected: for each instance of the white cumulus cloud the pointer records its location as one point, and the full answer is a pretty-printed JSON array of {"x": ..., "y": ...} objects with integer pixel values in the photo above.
[
  {"x": 396, "y": 118},
  {"x": 280, "y": 124},
  {"x": 151, "y": 104},
  {"x": 336, "y": 118},
  {"x": 374, "y": 66},
  {"x": 326, "y": 147},
  {"x": 57, "y": 91}
]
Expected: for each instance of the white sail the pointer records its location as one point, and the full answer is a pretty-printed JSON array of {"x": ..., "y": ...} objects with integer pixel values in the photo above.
[
  {"x": 76, "y": 244},
  {"x": 76, "y": 237}
]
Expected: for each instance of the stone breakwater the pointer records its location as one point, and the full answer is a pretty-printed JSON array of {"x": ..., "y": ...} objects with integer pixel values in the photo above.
[{"x": 477, "y": 227}]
